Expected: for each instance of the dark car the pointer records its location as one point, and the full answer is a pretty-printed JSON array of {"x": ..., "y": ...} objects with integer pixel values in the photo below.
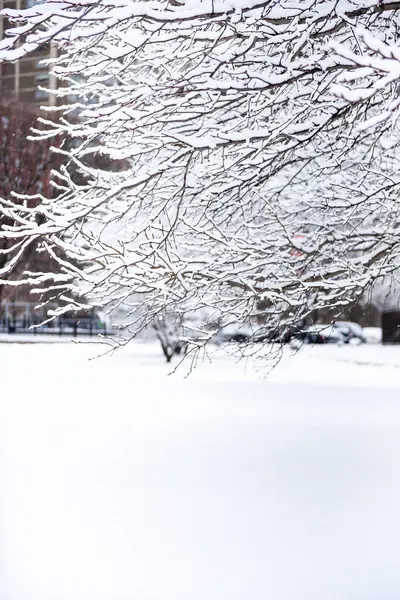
[
  {"x": 321, "y": 334},
  {"x": 281, "y": 334}
]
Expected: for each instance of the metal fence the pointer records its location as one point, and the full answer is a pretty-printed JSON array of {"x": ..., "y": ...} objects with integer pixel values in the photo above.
[{"x": 23, "y": 317}]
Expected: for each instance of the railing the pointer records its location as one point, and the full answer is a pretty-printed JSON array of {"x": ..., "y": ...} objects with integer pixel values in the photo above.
[{"x": 21, "y": 317}]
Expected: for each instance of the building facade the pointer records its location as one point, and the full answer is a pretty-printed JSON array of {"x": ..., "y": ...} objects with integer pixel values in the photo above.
[{"x": 20, "y": 82}]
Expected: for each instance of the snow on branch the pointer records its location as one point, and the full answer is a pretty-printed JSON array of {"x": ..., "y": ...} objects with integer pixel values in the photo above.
[
  {"x": 205, "y": 139},
  {"x": 375, "y": 70}
]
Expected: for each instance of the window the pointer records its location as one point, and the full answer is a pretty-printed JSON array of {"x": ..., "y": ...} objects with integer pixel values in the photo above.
[
  {"x": 42, "y": 80},
  {"x": 30, "y": 3}
]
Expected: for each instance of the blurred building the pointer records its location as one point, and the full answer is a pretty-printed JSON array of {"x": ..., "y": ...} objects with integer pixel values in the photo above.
[
  {"x": 20, "y": 81},
  {"x": 24, "y": 165}
]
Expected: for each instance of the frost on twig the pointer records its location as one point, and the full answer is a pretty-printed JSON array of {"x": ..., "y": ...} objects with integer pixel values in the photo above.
[{"x": 253, "y": 184}]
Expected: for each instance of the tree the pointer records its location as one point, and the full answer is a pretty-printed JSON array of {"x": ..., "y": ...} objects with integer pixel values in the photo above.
[
  {"x": 24, "y": 177},
  {"x": 260, "y": 144},
  {"x": 168, "y": 330}
]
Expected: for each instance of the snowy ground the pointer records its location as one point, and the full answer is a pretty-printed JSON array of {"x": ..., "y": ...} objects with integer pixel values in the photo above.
[{"x": 120, "y": 482}]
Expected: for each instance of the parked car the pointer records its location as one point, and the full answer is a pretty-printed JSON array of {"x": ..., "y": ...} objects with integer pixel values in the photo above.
[
  {"x": 321, "y": 334},
  {"x": 256, "y": 334},
  {"x": 279, "y": 334},
  {"x": 232, "y": 333},
  {"x": 353, "y": 332}
]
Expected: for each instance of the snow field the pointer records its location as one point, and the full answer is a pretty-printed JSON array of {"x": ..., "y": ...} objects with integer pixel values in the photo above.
[{"x": 122, "y": 482}]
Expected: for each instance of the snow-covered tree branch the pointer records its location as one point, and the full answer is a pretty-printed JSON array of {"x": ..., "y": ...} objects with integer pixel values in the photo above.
[{"x": 257, "y": 149}]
